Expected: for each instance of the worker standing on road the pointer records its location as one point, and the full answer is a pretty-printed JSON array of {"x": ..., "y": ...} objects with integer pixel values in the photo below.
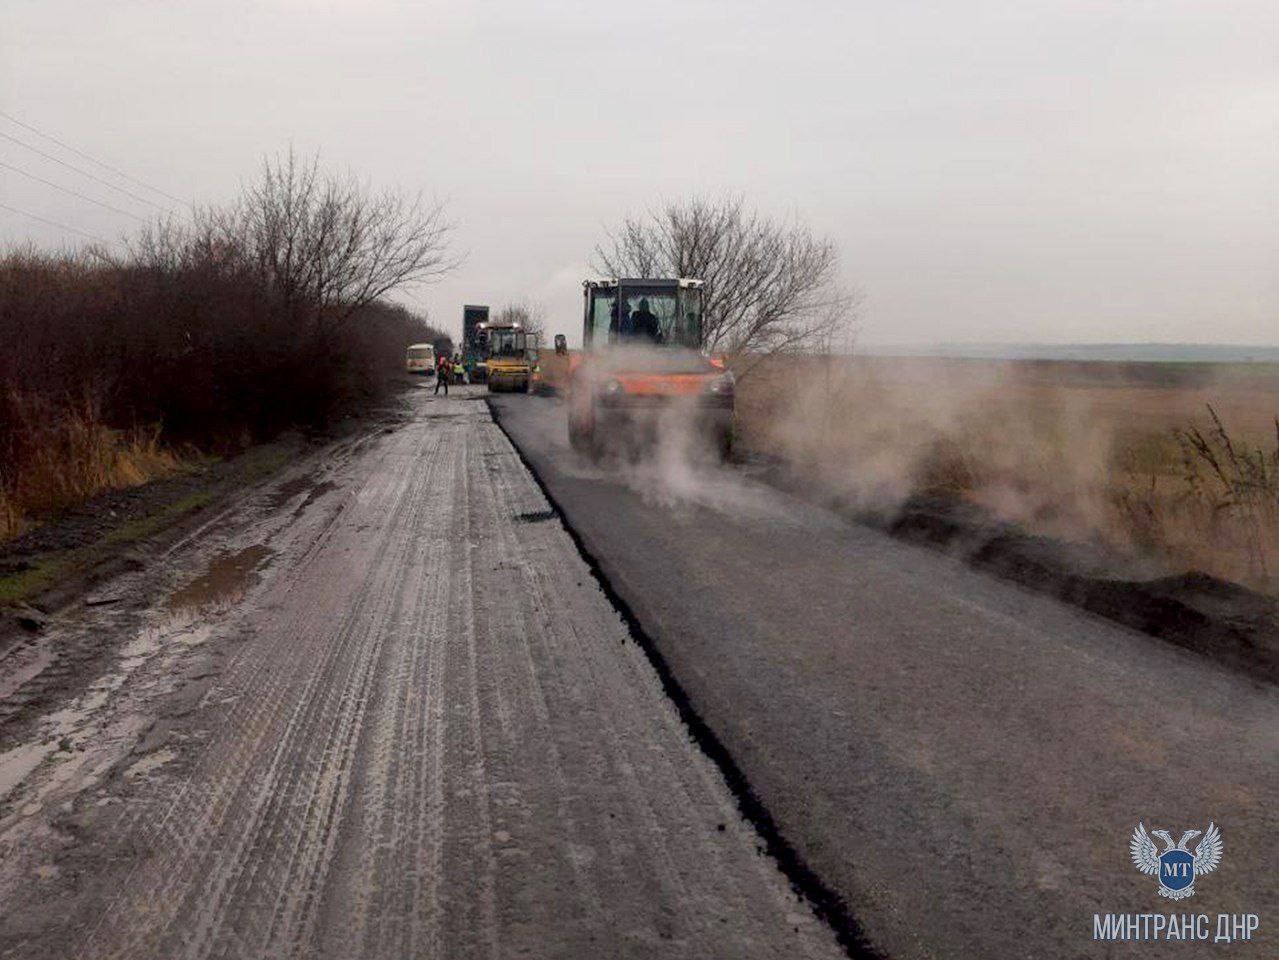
[{"x": 442, "y": 370}]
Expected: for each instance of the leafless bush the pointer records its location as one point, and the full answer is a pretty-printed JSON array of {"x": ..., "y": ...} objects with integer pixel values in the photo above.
[
  {"x": 328, "y": 246},
  {"x": 771, "y": 286},
  {"x": 214, "y": 331},
  {"x": 322, "y": 246},
  {"x": 527, "y": 313}
]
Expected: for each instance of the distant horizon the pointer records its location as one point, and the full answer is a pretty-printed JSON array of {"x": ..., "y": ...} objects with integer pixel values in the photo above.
[
  {"x": 1119, "y": 351},
  {"x": 927, "y": 344}
]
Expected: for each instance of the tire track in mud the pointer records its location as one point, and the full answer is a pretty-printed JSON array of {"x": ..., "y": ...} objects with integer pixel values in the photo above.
[
  {"x": 276, "y": 792},
  {"x": 73, "y": 654},
  {"x": 385, "y": 839},
  {"x": 433, "y": 739},
  {"x": 315, "y": 841}
]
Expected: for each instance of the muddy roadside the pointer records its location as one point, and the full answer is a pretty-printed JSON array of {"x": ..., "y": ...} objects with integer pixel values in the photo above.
[
  {"x": 88, "y": 557},
  {"x": 1226, "y": 622},
  {"x": 48, "y": 567},
  {"x": 100, "y": 698}
]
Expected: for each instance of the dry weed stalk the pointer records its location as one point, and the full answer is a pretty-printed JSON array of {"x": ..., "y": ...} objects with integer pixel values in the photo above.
[
  {"x": 69, "y": 454},
  {"x": 11, "y": 519},
  {"x": 1240, "y": 484}
]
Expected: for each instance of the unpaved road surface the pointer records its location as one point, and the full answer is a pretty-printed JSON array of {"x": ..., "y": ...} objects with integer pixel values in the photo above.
[
  {"x": 963, "y": 761},
  {"x": 379, "y": 710}
]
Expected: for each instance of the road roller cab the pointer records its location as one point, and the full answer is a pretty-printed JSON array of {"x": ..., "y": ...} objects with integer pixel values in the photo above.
[{"x": 642, "y": 369}]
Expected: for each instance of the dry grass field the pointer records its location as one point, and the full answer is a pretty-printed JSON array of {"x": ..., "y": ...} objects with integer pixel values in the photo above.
[
  {"x": 1175, "y": 464},
  {"x": 73, "y": 456}
]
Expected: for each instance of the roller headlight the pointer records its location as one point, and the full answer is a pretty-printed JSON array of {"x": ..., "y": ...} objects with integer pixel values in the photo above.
[
  {"x": 611, "y": 388},
  {"x": 722, "y": 386}
]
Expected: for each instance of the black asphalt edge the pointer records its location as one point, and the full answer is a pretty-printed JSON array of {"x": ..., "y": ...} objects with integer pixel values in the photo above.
[{"x": 826, "y": 903}]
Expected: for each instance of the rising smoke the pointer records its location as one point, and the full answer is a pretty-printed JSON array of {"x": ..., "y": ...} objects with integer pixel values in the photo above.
[{"x": 1082, "y": 452}]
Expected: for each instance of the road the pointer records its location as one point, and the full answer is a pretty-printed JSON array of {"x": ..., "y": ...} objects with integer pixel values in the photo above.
[
  {"x": 962, "y": 761},
  {"x": 380, "y": 709}
]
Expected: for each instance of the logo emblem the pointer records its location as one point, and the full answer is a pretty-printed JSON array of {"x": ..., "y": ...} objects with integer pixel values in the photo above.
[{"x": 1176, "y": 868}]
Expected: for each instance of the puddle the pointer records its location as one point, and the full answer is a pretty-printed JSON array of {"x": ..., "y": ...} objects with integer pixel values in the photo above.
[
  {"x": 151, "y": 762},
  {"x": 15, "y": 764},
  {"x": 84, "y": 738},
  {"x": 64, "y": 734},
  {"x": 195, "y": 636},
  {"x": 227, "y": 578},
  {"x": 67, "y": 722},
  {"x": 141, "y": 647}
]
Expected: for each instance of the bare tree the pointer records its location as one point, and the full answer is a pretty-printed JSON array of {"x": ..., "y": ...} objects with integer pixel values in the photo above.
[
  {"x": 771, "y": 286},
  {"x": 327, "y": 245},
  {"x": 529, "y": 314}
]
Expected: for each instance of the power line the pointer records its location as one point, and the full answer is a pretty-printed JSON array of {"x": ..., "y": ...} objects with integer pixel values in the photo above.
[
  {"x": 68, "y": 190},
  {"x": 83, "y": 173},
  {"x": 81, "y": 153},
  {"x": 54, "y": 223}
]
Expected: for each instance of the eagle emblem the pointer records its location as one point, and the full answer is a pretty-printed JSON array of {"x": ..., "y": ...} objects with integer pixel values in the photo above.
[{"x": 1176, "y": 867}]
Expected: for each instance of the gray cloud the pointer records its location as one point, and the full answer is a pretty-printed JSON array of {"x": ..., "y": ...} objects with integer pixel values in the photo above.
[{"x": 1038, "y": 170}]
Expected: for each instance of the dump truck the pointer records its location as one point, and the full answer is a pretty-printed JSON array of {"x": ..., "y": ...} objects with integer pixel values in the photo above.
[
  {"x": 509, "y": 359},
  {"x": 474, "y": 339},
  {"x": 642, "y": 369}
]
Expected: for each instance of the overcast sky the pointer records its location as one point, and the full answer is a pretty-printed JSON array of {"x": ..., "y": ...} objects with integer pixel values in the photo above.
[{"x": 1036, "y": 170}]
